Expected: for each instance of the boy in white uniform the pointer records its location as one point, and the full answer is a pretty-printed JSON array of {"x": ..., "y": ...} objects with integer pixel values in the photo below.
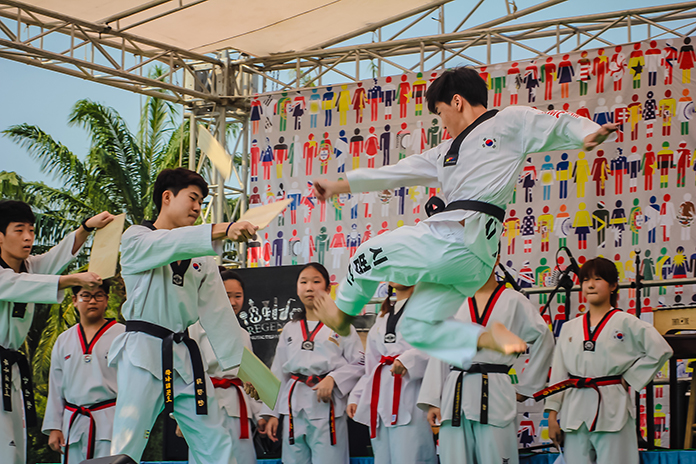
[
  {"x": 237, "y": 407},
  {"x": 24, "y": 281},
  {"x": 385, "y": 397},
  {"x": 477, "y": 406},
  {"x": 172, "y": 281},
  {"x": 597, "y": 356},
  {"x": 81, "y": 386},
  {"x": 318, "y": 368},
  {"x": 451, "y": 254}
]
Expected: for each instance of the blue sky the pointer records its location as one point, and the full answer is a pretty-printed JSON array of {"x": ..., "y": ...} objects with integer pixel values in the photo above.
[{"x": 44, "y": 98}]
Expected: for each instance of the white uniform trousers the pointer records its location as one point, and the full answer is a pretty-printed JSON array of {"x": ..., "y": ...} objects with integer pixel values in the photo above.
[
  {"x": 13, "y": 435},
  {"x": 313, "y": 441},
  {"x": 434, "y": 258},
  {"x": 244, "y": 450},
  {"x": 476, "y": 443},
  {"x": 138, "y": 406},
  {"x": 584, "y": 447},
  {"x": 405, "y": 444},
  {"x": 78, "y": 450}
]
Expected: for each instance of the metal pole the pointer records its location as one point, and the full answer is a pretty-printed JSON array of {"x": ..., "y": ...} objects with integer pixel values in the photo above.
[
  {"x": 192, "y": 141},
  {"x": 220, "y": 200}
]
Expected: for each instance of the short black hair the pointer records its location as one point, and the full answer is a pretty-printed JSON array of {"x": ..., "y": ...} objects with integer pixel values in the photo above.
[
  {"x": 175, "y": 180},
  {"x": 464, "y": 81},
  {"x": 105, "y": 285},
  {"x": 15, "y": 211},
  {"x": 604, "y": 269},
  {"x": 229, "y": 274}
]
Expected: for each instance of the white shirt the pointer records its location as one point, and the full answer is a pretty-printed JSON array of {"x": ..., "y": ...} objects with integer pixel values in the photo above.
[
  {"x": 626, "y": 346},
  {"x": 490, "y": 158},
  {"x": 73, "y": 380},
  {"x": 153, "y": 297},
  {"x": 340, "y": 357},
  {"x": 412, "y": 359},
  {"x": 38, "y": 285},
  {"x": 519, "y": 316}
]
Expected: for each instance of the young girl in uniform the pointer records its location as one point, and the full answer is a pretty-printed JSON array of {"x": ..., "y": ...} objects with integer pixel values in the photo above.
[
  {"x": 385, "y": 397},
  {"x": 318, "y": 368},
  {"x": 597, "y": 356}
]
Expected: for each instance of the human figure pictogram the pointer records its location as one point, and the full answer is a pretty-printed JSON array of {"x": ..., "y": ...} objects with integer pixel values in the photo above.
[
  {"x": 328, "y": 103},
  {"x": 667, "y": 109},
  {"x": 548, "y": 75},
  {"x": 371, "y": 147},
  {"x": 582, "y": 223},
  {"x": 280, "y": 151},
  {"x": 581, "y": 174},
  {"x": 665, "y": 161},
  {"x": 267, "y": 159},
  {"x": 514, "y": 82},
  {"x": 565, "y": 75},
  {"x": 357, "y": 145},
  {"x": 683, "y": 163},
  {"x": 635, "y": 115},
  {"x": 511, "y": 229},
  {"x": 636, "y": 63},
  {"x": 309, "y": 152},
  {"x": 325, "y": 151},
  {"x": 600, "y": 68},
  {"x": 600, "y": 172},
  {"x": 685, "y": 109},
  {"x": 563, "y": 170},
  {"x": 617, "y": 67},
  {"x": 418, "y": 93},
  {"x": 545, "y": 227},
  {"x": 600, "y": 223},
  {"x": 619, "y": 167},
  {"x": 667, "y": 216},
  {"x": 686, "y": 60},
  {"x": 649, "y": 114},
  {"x": 404, "y": 95},
  {"x": 653, "y": 57},
  {"x": 389, "y": 95},
  {"x": 584, "y": 72},
  {"x": 343, "y": 103},
  {"x": 669, "y": 59},
  {"x": 375, "y": 96},
  {"x": 618, "y": 222}
]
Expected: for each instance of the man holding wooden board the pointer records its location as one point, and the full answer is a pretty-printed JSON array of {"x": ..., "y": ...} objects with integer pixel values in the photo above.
[
  {"x": 24, "y": 281},
  {"x": 172, "y": 281}
]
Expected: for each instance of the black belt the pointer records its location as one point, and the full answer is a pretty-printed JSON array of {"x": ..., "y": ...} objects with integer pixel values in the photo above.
[
  {"x": 168, "y": 339},
  {"x": 437, "y": 205},
  {"x": 85, "y": 411},
  {"x": 8, "y": 358},
  {"x": 484, "y": 370},
  {"x": 310, "y": 381}
]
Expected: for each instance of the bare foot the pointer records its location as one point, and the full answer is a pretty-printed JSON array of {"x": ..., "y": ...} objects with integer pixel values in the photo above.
[
  {"x": 499, "y": 338},
  {"x": 331, "y": 316}
]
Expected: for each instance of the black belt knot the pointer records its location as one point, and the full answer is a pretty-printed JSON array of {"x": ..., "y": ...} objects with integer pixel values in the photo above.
[
  {"x": 168, "y": 339},
  {"x": 484, "y": 369},
  {"x": 9, "y": 358}
]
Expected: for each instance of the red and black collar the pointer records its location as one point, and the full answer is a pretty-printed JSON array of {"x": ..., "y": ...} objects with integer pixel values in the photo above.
[
  {"x": 483, "y": 318},
  {"x": 87, "y": 347},
  {"x": 308, "y": 336},
  {"x": 590, "y": 340}
]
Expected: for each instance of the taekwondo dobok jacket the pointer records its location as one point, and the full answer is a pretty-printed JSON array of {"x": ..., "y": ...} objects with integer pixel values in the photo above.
[
  {"x": 341, "y": 357},
  {"x": 412, "y": 359},
  {"x": 173, "y": 281},
  {"x": 227, "y": 398},
  {"x": 625, "y": 346},
  {"x": 515, "y": 312},
  {"x": 80, "y": 375},
  {"x": 39, "y": 284},
  {"x": 486, "y": 166}
]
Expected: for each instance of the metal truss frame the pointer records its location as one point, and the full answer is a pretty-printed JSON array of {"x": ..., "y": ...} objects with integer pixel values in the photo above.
[{"x": 215, "y": 88}]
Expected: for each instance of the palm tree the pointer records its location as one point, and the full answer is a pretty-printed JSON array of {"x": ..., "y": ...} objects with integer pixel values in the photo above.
[{"x": 117, "y": 175}]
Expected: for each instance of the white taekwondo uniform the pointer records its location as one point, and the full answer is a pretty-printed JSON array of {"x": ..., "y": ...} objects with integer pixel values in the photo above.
[
  {"x": 445, "y": 260},
  {"x": 36, "y": 283},
  {"x": 598, "y": 416},
  {"x": 487, "y": 432},
  {"x": 304, "y": 356},
  {"x": 230, "y": 396},
  {"x": 172, "y": 281},
  {"x": 82, "y": 392},
  {"x": 399, "y": 431}
]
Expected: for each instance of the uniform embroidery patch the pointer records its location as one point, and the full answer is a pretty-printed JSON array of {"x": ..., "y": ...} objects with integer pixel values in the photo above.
[
  {"x": 618, "y": 335},
  {"x": 197, "y": 267},
  {"x": 67, "y": 357},
  {"x": 451, "y": 159},
  {"x": 331, "y": 339},
  {"x": 147, "y": 434},
  {"x": 489, "y": 143}
]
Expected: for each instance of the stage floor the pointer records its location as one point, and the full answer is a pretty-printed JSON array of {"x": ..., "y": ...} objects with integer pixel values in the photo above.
[{"x": 647, "y": 457}]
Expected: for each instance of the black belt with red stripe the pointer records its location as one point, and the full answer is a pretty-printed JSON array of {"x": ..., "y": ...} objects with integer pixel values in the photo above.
[
  {"x": 168, "y": 339},
  {"x": 483, "y": 369},
  {"x": 581, "y": 382},
  {"x": 9, "y": 358},
  {"x": 310, "y": 381},
  {"x": 85, "y": 411}
]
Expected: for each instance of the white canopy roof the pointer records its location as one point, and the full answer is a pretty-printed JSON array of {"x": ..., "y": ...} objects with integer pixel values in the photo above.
[{"x": 257, "y": 27}]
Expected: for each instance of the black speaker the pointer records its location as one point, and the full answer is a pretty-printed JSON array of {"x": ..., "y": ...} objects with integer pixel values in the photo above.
[{"x": 120, "y": 459}]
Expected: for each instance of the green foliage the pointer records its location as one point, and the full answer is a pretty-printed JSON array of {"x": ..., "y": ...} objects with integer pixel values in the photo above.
[{"x": 116, "y": 175}]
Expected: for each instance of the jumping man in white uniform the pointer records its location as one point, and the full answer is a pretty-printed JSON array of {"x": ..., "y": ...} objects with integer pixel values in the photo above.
[
  {"x": 24, "y": 281},
  {"x": 451, "y": 254},
  {"x": 81, "y": 386}
]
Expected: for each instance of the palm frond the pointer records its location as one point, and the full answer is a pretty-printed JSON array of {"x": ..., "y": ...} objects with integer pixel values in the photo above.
[{"x": 55, "y": 158}]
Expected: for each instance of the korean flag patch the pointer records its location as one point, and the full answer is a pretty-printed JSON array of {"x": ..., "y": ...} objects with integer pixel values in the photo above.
[
  {"x": 618, "y": 335},
  {"x": 489, "y": 143}
]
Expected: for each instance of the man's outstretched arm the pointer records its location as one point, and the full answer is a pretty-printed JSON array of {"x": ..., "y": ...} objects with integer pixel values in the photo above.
[
  {"x": 325, "y": 189},
  {"x": 593, "y": 140}
]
